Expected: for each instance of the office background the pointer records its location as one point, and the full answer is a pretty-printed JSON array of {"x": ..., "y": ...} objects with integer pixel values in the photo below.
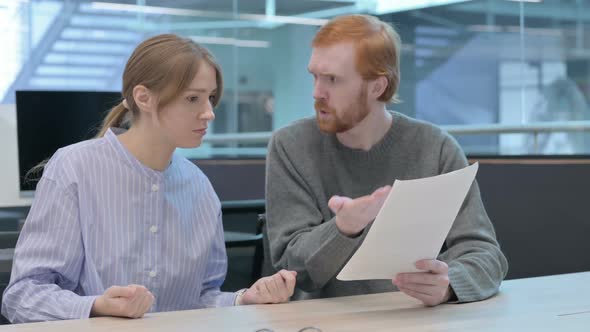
[
  {"x": 489, "y": 70},
  {"x": 509, "y": 79}
]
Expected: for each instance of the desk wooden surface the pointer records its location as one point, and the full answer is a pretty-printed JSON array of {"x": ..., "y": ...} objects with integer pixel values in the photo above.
[{"x": 555, "y": 303}]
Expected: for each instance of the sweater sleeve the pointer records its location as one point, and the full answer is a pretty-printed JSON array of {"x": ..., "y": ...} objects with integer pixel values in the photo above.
[
  {"x": 477, "y": 266},
  {"x": 299, "y": 238}
]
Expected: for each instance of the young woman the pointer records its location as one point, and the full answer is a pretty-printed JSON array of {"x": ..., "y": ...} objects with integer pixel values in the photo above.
[{"x": 121, "y": 225}]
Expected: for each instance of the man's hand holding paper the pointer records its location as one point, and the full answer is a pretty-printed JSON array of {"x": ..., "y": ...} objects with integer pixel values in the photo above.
[
  {"x": 409, "y": 230},
  {"x": 431, "y": 286}
]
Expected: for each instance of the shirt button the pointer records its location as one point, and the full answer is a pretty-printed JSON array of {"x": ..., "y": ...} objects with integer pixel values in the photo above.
[
  {"x": 153, "y": 274},
  {"x": 154, "y": 229},
  {"x": 155, "y": 187}
]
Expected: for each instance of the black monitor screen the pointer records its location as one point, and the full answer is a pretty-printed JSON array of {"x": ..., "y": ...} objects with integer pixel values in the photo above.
[{"x": 49, "y": 120}]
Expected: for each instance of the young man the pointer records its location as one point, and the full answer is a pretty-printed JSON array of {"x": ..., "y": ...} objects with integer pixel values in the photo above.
[{"x": 327, "y": 177}]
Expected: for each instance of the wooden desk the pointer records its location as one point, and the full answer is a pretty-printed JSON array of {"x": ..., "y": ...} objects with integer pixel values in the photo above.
[{"x": 555, "y": 303}]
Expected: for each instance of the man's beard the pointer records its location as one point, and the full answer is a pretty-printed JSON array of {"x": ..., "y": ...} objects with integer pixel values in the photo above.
[{"x": 347, "y": 119}]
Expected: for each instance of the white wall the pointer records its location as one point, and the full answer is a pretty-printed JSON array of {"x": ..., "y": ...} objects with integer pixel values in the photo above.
[{"x": 9, "y": 184}]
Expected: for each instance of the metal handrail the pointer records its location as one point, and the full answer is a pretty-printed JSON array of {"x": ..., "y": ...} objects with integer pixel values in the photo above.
[
  {"x": 532, "y": 128},
  {"x": 256, "y": 137}
]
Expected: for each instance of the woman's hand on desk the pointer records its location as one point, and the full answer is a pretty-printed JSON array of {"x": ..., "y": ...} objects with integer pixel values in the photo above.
[
  {"x": 431, "y": 287},
  {"x": 131, "y": 301},
  {"x": 277, "y": 288}
]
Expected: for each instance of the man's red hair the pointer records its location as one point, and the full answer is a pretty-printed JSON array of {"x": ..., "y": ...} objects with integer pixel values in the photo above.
[{"x": 377, "y": 47}]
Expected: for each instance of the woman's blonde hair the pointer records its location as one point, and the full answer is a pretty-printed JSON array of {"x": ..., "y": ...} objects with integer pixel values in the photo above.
[{"x": 165, "y": 64}]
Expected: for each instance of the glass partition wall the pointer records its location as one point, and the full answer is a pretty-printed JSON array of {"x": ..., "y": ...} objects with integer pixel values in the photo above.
[{"x": 505, "y": 77}]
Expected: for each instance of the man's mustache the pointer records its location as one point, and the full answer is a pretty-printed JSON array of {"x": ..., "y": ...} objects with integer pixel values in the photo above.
[{"x": 322, "y": 106}]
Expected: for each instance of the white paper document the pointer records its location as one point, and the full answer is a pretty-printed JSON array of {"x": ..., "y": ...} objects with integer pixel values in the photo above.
[{"x": 412, "y": 225}]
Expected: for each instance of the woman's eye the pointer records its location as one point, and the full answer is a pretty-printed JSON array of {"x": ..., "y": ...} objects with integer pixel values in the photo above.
[
  {"x": 193, "y": 99},
  {"x": 212, "y": 98}
]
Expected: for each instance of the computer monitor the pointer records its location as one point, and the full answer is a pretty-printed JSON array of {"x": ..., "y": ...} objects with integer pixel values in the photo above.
[{"x": 49, "y": 120}]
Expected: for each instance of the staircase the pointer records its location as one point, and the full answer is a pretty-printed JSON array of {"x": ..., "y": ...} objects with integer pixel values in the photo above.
[
  {"x": 82, "y": 49},
  {"x": 436, "y": 40}
]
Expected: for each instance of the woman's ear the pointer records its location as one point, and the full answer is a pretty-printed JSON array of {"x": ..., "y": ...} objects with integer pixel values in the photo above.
[{"x": 144, "y": 99}]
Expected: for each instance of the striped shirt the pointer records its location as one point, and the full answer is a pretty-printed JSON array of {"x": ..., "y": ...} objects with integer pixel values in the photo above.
[{"x": 101, "y": 218}]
